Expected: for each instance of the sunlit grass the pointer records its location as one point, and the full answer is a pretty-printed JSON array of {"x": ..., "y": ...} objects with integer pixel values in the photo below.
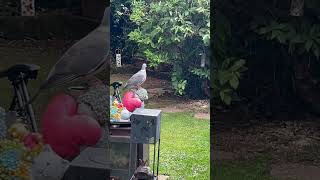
[{"x": 185, "y": 147}]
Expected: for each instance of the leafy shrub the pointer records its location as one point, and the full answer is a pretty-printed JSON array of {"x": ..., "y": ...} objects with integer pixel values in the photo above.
[{"x": 174, "y": 32}]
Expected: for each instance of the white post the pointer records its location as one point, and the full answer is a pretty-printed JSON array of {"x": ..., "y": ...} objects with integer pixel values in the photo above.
[
  {"x": 297, "y": 8},
  {"x": 28, "y": 8}
]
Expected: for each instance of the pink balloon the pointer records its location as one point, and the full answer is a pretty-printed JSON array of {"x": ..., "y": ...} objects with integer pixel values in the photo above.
[
  {"x": 130, "y": 101},
  {"x": 66, "y": 131}
]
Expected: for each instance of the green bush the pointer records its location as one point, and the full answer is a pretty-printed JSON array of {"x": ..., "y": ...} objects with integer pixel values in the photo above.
[
  {"x": 175, "y": 32},
  {"x": 121, "y": 26}
]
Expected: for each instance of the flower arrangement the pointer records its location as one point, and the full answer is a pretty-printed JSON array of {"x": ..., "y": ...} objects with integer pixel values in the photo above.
[
  {"x": 17, "y": 152},
  {"x": 3, "y": 127},
  {"x": 116, "y": 110},
  {"x": 15, "y": 160}
]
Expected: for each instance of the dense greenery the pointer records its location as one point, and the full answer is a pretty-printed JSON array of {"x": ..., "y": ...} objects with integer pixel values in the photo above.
[
  {"x": 270, "y": 41},
  {"x": 173, "y": 32},
  {"x": 121, "y": 26}
]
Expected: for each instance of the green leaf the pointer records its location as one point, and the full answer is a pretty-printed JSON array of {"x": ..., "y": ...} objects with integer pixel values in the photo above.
[
  {"x": 222, "y": 95},
  {"x": 263, "y": 30},
  {"x": 227, "y": 99},
  {"x": 234, "y": 82},
  {"x": 275, "y": 34},
  {"x": 237, "y": 65},
  {"x": 281, "y": 39},
  {"x": 308, "y": 45},
  {"x": 297, "y": 39},
  {"x": 223, "y": 77},
  {"x": 206, "y": 39},
  {"x": 316, "y": 52}
]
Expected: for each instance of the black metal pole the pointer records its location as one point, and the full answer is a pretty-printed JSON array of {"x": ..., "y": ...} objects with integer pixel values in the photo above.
[
  {"x": 154, "y": 156},
  {"x": 29, "y": 109},
  {"x": 158, "y": 159}
]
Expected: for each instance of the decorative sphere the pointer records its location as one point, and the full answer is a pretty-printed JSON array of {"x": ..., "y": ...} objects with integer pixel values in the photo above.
[
  {"x": 125, "y": 114},
  {"x": 142, "y": 94}
]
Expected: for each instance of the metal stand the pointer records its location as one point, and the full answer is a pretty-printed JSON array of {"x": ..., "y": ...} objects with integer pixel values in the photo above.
[
  {"x": 116, "y": 85},
  {"x": 20, "y": 98},
  {"x": 154, "y": 159},
  {"x": 158, "y": 159}
]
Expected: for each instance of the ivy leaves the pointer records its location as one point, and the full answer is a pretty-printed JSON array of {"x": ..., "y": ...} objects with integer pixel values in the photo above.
[
  {"x": 227, "y": 78},
  {"x": 302, "y": 38}
]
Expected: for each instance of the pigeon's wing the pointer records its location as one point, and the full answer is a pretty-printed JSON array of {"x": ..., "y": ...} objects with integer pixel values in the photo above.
[
  {"x": 83, "y": 57},
  {"x": 86, "y": 54},
  {"x": 136, "y": 79}
]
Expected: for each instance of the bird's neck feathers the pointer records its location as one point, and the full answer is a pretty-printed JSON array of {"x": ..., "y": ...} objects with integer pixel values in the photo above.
[{"x": 106, "y": 17}]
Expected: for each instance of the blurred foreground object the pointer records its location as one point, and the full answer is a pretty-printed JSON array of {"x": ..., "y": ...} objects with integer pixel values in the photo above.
[
  {"x": 83, "y": 60},
  {"x": 3, "y": 126},
  {"x": 49, "y": 166},
  {"x": 65, "y": 130}
]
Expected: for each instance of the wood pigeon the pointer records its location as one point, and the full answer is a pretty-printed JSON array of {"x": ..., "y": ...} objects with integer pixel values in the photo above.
[
  {"x": 137, "y": 79},
  {"x": 83, "y": 60}
]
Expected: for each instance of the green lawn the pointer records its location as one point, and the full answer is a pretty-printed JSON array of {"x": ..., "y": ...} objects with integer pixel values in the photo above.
[
  {"x": 257, "y": 169},
  {"x": 185, "y": 147}
]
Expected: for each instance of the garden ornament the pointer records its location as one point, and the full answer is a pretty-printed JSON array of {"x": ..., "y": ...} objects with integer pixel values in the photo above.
[
  {"x": 142, "y": 94},
  {"x": 83, "y": 60},
  {"x": 15, "y": 160},
  {"x": 125, "y": 114},
  {"x": 32, "y": 141},
  {"x": 65, "y": 130},
  {"x": 143, "y": 171},
  {"x": 137, "y": 79},
  {"x": 95, "y": 103},
  {"x": 130, "y": 102},
  {"x": 116, "y": 94}
]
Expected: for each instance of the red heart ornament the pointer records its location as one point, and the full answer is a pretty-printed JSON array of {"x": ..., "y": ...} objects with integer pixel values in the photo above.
[
  {"x": 66, "y": 131},
  {"x": 130, "y": 101}
]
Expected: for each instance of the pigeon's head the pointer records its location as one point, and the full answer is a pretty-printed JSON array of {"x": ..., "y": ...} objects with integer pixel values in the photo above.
[{"x": 144, "y": 65}]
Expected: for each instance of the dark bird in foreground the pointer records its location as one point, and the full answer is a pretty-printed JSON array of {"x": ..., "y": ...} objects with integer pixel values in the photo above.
[{"x": 83, "y": 60}]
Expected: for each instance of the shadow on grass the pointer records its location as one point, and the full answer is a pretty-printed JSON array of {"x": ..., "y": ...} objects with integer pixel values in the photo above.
[{"x": 257, "y": 168}]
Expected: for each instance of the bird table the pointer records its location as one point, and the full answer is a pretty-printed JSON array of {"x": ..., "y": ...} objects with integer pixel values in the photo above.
[
  {"x": 127, "y": 143},
  {"x": 92, "y": 163},
  {"x": 132, "y": 138}
]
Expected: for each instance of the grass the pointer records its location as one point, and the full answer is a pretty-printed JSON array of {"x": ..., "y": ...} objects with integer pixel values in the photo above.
[
  {"x": 254, "y": 169},
  {"x": 185, "y": 147}
]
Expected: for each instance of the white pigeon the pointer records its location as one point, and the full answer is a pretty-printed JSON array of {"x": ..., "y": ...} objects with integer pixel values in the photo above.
[{"x": 137, "y": 79}]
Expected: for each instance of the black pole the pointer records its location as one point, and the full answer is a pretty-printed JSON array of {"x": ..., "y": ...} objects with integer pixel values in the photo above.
[
  {"x": 154, "y": 156},
  {"x": 158, "y": 159}
]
